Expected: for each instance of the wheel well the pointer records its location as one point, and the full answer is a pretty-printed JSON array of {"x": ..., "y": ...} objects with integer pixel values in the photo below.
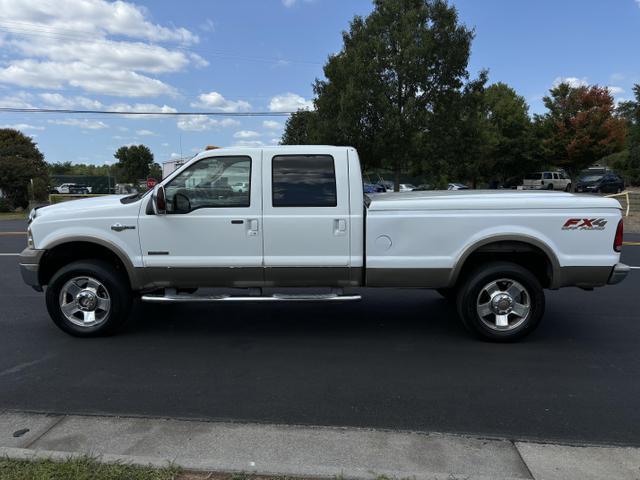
[
  {"x": 61, "y": 255},
  {"x": 529, "y": 256}
]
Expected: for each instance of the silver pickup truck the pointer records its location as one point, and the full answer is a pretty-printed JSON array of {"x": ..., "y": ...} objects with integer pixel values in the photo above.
[{"x": 303, "y": 221}]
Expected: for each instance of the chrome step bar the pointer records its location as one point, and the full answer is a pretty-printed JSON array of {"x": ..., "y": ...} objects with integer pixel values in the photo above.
[{"x": 278, "y": 297}]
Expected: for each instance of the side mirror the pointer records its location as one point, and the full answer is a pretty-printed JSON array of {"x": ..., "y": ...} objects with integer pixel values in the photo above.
[{"x": 159, "y": 200}]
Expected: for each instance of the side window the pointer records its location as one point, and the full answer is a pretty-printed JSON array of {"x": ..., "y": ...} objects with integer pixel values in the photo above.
[
  {"x": 547, "y": 175},
  {"x": 216, "y": 182},
  {"x": 304, "y": 181},
  {"x": 555, "y": 176}
]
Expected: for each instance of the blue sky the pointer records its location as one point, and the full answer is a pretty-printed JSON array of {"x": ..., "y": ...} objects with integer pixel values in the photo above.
[{"x": 258, "y": 55}]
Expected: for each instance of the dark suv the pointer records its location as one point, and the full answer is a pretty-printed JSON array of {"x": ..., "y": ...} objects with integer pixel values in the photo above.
[{"x": 607, "y": 182}]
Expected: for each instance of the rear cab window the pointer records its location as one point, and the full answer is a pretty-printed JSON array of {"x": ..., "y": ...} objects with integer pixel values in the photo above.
[{"x": 304, "y": 181}]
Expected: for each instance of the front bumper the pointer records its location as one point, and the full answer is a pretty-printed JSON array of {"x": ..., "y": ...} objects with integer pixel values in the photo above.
[
  {"x": 619, "y": 273},
  {"x": 29, "y": 261}
]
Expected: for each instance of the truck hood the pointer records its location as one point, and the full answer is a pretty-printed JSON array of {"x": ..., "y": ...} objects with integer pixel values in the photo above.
[
  {"x": 487, "y": 200},
  {"x": 85, "y": 207}
]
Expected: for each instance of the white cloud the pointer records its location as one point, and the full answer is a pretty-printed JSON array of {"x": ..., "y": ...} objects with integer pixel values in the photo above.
[
  {"x": 22, "y": 126},
  {"x": 208, "y": 25},
  {"x": 615, "y": 91},
  {"x": 59, "y": 101},
  {"x": 272, "y": 125},
  {"x": 165, "y": 144},
  {"x": 216, "y": 102},
  {"x": 574, "y": 82},
  {"x": 244, "y": 134},
  {"x": 145, "y": 133},
  {"x": 97, "y": 17},
  {"x": 66, "y": 44},
  {"x": 249, "y": 143},
  {"x": 289, "y": 102},
  {"x": 17, "y": 100},
  {"x": 201, "y": 123},
  {"x": 291, "y": 3},
  {"x": 94, "y": 79},
  {"x": 81, "y": 123}
]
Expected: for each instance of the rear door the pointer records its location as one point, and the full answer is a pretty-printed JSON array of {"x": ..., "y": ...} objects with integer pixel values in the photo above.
[{"x": 306, "y": 218}]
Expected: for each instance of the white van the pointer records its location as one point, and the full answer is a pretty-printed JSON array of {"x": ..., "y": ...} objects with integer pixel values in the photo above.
[{"x": 547, "y": 181}]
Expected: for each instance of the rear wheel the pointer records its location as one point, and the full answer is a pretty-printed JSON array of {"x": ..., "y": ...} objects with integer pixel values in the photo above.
[
  {"x": 89, "y": 298},
  {"x": 501, "y": 302},
  {"x": 568, "y": 188}
]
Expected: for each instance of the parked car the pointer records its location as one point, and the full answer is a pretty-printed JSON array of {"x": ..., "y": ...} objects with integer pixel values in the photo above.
[
  {"x": 79, "y": 189},
  {"x": 600, "y": 183},
  {"x": 71, "y": 188},
  {"x": 457, "y": 186},
  {"x": 547, "y": 181},
  {"x": 305, "y": 223},
  {"x": 240, "y": 187},
  {"x": 373, "y": 188},
  {"x": 407, "y": 187},
  {"x": 388, "y": 186}
]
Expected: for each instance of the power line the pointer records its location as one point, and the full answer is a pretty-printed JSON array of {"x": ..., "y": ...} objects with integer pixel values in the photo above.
[{"x": 168, "y": 114}]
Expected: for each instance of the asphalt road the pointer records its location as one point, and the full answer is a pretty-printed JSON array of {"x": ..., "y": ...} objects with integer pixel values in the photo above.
[{"x": 399, "y": 359}]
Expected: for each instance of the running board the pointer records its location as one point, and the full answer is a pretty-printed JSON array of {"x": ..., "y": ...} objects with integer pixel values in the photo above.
[{"x": 279, "y": 297}]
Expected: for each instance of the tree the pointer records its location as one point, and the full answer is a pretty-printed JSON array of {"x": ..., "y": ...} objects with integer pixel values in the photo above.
[
  {"x": 134, "y": 163},
  {"x": 628, "y": 162},
  {"x": 580, "y": 127},
  {"x": 301, "y": 128},
  {"x": 396, "y": 68},
  {"x": 513, "y": 147},
  {"x": 21, "y": 163}
]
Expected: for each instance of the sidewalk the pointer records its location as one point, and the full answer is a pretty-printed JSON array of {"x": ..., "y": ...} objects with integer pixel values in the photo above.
[{"x": 306, "y": 451}]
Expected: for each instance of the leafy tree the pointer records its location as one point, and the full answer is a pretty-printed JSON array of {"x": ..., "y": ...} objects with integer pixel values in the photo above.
[
  {"x": 628, "y": 162},
  {"x": 301, "y": 128},
  {"x": 397, "y": 68},
  {"x": 134, "y": 163},
  {"x": 580, "y": 127},
  {"x": 513, "y": 148},
  {"x": 21, "y": 163}
]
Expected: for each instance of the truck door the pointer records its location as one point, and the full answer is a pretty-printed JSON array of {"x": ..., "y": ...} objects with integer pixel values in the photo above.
[
  {"x": 306, "y": 218},
  {"x": 212, "y": 232}
]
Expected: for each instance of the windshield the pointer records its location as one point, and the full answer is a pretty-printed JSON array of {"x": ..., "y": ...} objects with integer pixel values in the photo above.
[
  {"x": 533, "y": 176},
  {"x": 591, "y": 178}
]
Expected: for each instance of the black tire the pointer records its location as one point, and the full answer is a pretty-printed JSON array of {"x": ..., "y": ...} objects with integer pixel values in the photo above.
[
  {"x": 114, "y": 285},
  {"x": 448, "y": 294},
  {"x": 550, "y": 186},
  {"x": 568, "y": 188},
  {"x": 469, "y": 295}
]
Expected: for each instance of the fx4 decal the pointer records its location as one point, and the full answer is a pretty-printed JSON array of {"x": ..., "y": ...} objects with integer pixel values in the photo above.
[{"x": 584, "y": 224}]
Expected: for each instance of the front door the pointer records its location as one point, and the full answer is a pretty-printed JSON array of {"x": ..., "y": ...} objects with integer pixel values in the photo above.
[
  {"x": 212, "y": 231},
  {"x": 306, "y": 219}
]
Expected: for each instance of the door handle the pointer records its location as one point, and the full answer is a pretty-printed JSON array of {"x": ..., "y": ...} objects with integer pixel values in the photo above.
[
  {"x": 339, "y": 226},
  {"x": 252, "y": 231}
]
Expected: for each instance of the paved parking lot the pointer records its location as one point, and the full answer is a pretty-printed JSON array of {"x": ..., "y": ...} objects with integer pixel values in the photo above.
[{"x": 398, "y": 359}]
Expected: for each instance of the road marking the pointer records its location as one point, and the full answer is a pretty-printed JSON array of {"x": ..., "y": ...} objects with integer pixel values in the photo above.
[
  {"x": 9, "y": 254},
  {"x": 10, "y": 234},
  {"x": 631, "y": 244}
]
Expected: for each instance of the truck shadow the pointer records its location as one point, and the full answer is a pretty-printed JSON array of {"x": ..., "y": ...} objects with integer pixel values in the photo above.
[{"x": 381, "y": 311}]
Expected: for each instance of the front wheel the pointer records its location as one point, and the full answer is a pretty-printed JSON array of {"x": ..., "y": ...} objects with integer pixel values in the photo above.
[
  {"x": 89, "y": 298},
  {"x": 568, "y": 188},
  {"x": 501, "y": 302}
]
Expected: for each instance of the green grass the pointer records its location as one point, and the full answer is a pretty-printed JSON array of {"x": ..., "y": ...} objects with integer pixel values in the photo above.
[
  {"x": 85, "y": 468},
  {"x": 12, "y": 216}
]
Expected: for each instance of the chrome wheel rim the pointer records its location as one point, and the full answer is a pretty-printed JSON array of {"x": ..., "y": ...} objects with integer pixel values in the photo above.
[
  {"x": 503, "y": 304},
  {"x": 85, "y": 302}
]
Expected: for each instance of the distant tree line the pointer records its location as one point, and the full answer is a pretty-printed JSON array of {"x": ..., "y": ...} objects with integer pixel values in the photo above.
[
  {"x": 400, "y": 92},
  {"x": 25, "y": 176}
]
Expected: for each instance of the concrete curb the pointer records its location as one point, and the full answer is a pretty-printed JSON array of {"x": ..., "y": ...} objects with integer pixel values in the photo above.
[{"x": 304, "y": 451}]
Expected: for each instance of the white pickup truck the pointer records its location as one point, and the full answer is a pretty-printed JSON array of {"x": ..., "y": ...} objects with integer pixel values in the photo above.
[{"x": 304, "y": 221}]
